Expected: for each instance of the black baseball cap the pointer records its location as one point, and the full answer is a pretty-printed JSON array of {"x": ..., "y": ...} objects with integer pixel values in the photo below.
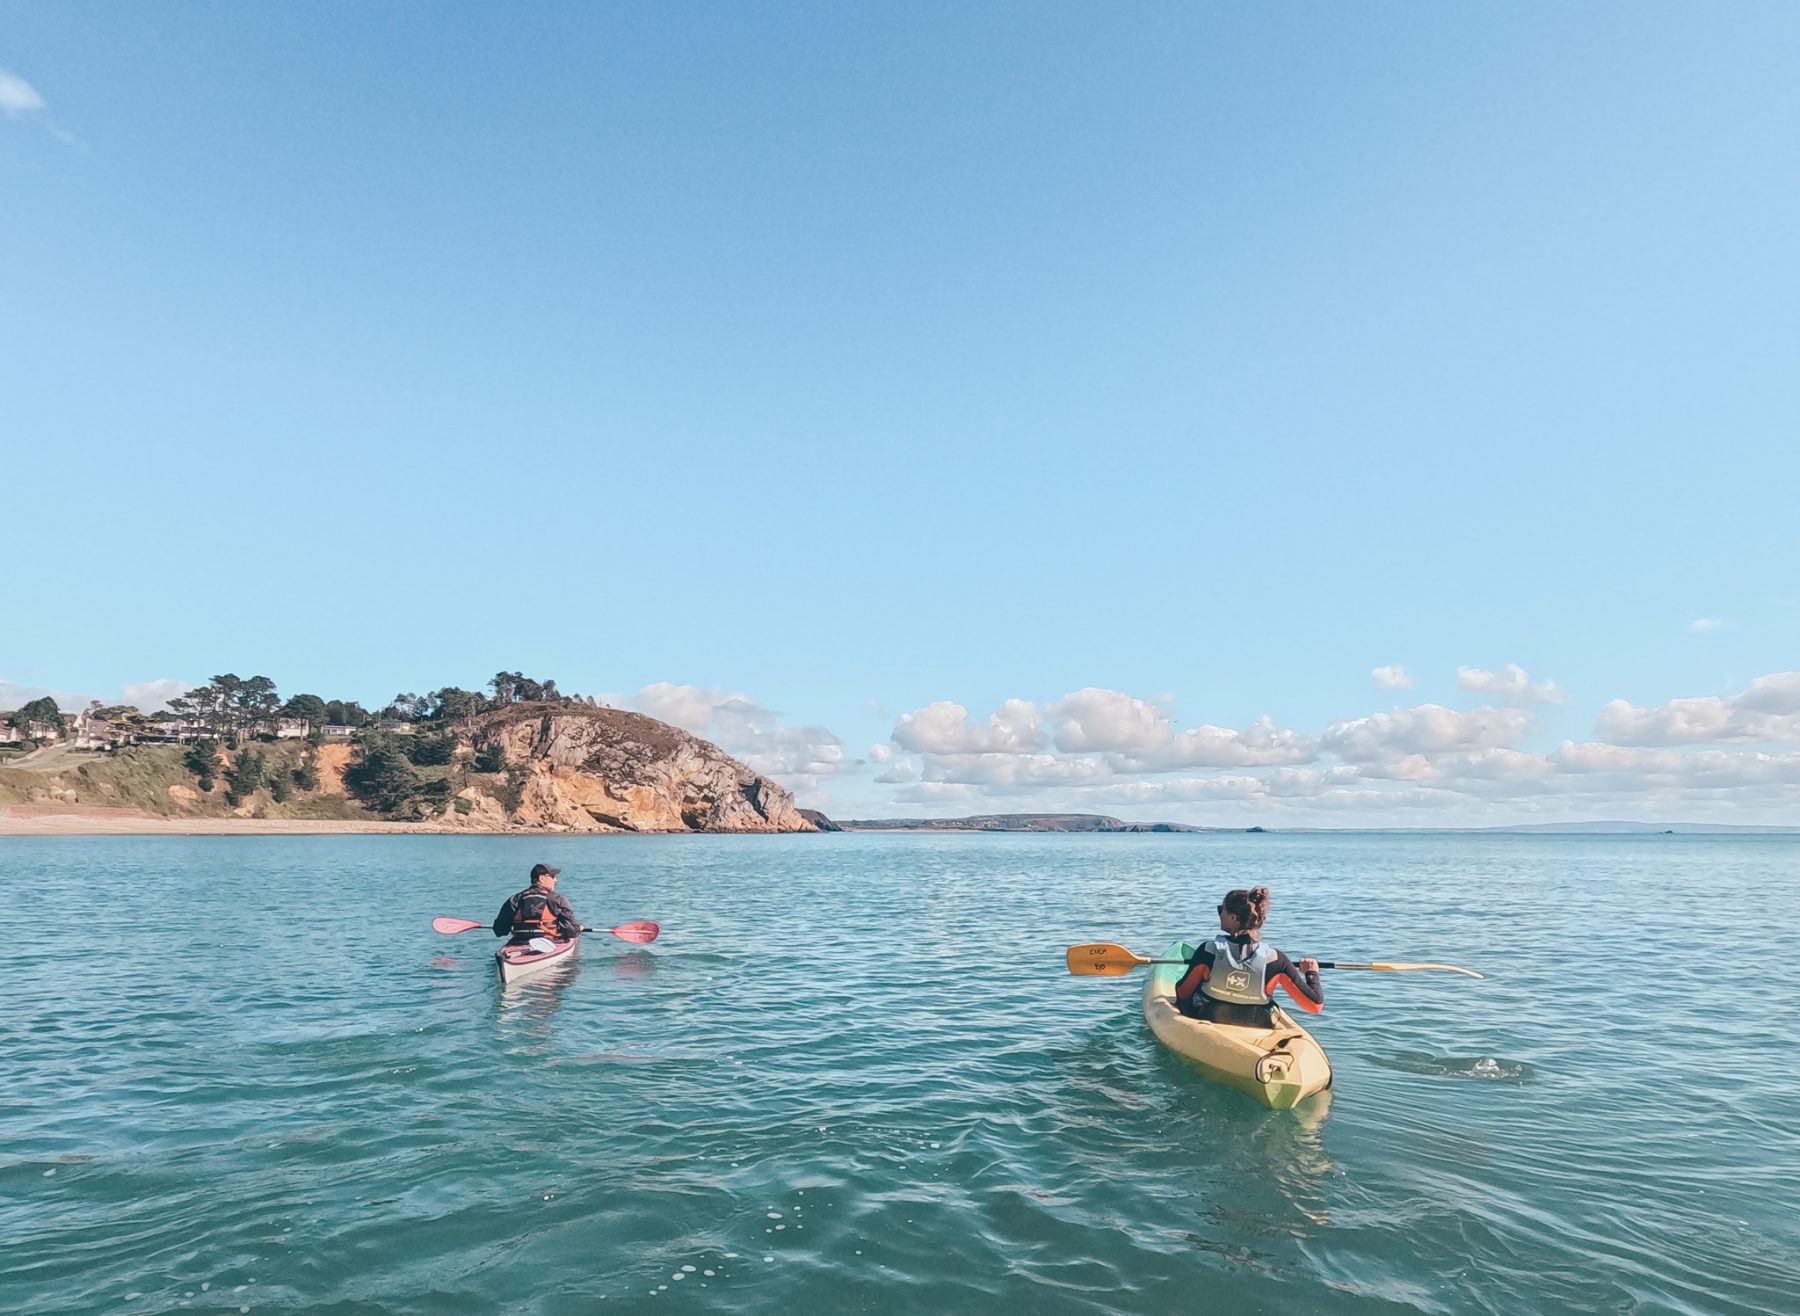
[{"x": 543, "y": 870}]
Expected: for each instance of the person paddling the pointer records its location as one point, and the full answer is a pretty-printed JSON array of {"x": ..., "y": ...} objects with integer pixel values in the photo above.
[
  {"x": 1231, "y": 979},
  {"x": 537, "y": 911}
]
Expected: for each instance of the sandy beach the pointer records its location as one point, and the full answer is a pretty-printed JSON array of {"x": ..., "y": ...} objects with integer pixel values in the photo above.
[{"x": 93, "y": 820}]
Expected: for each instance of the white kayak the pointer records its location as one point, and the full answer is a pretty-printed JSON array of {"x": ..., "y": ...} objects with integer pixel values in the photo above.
[{"x": 518, "y": 961}]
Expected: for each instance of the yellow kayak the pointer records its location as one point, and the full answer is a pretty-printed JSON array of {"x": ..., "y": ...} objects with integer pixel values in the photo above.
[{"x": 1279, "y": 1066}]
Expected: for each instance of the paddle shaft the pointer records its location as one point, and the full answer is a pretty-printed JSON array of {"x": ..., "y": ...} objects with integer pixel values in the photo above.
[
  {"x": 641, "y": 931},
  {"x": 1323, "y": 964},
  {"x": 1338, "y": 964},
  {"x": 1106, "y": 960}
]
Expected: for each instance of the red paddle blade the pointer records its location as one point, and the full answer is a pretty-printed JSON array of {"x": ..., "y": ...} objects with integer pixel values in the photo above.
[
  {"x": 454, "y": 925},
  {"x": 643, "y": 931}
]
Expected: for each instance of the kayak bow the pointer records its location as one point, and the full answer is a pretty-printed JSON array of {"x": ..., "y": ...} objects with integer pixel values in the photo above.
[{"x": 1279, "y": 1066}]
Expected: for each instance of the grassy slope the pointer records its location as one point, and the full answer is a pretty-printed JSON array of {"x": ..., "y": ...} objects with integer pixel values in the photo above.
[{"x": 140, "y": 778}]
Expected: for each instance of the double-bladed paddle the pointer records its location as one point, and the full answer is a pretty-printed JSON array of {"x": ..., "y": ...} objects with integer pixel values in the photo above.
[
  {"x": 642, "y": 931},
  {"x": 1102, "y": 959}
]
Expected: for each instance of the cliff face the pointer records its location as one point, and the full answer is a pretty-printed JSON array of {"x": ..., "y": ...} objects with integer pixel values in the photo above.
[
  {"x": 600, "y": 769},
  {"x": 568, "y": 767}
]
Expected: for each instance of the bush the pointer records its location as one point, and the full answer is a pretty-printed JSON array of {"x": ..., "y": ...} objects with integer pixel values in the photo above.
[
  {"x": 382, "y": 775},
  {"x": 464, "y": 806},
  {"x": 202, "y": 759},
  {"x": 306, "y": 775},
  {"x": 245, "y": 778},
  {"x": 428, "y": 751},
  {"x": 281, "y": 786},
  {"x": 511, "y": 792},
  {"x": 490, "y": 758}
]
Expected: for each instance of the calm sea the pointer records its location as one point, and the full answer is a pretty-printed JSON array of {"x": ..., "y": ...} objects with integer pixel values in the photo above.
[{"x": 242, "y": 1074}]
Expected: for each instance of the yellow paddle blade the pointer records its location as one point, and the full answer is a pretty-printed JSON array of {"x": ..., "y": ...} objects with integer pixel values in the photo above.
[
  {"x": 1101, "y": 959},
  {"x": 1402, "y": 967}
]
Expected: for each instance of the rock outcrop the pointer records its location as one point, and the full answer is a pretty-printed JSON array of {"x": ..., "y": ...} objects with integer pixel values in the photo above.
[{"x": 575, "y": 768}]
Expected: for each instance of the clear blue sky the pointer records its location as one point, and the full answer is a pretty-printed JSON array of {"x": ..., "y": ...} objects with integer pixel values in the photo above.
[{"x": 857, "y": 358}]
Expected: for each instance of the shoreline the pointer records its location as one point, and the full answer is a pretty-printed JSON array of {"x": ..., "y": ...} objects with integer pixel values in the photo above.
[
  {"x": 94, "y": 820},
  {"x": 99, "y": 820}
]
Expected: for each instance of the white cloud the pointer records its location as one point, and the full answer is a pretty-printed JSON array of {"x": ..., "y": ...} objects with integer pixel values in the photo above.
[
  {"x": 1392, "y": 678},
  {"x": 880, "y": 753},
  {"x": 1700, "y": 625},
  {"x": 1427, "y": 729},
  {"x": 1016, "y": 770},
  {"x": 944, "y": 728},
  {"x": 1631, "y": 768},
  {"x": 14, "y": 696},
  {"x": 798, "y": 757},
  {"x": 897, "y": 773},
  {"x": 149, "y": 696},
  {"x": 1140, "y": 736},
  {"x": 17, "y": 96},
  {"x": 1510, "y": 685},
  {"x": 940, "y": 793},
  {"x": 1768, "y": 711},
  {"x": 154, "y": 696},
  {"x": 1098, "y": 750}
]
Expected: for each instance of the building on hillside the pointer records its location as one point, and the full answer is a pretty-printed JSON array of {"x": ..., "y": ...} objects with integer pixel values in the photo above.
[
  {"x": 291, "y": 728},
  {"x": 42, "y": 731},
  {"x": 333, "y": 730},
  {"x": 176, "y": 730},
  {"x": 96, "y": 734},
  {"x": 396, "y": 726},
  {"x": 9, "y": 734}
]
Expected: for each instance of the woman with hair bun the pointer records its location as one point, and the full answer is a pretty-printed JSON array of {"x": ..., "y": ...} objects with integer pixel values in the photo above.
[{"x": 1231, "y": 979}]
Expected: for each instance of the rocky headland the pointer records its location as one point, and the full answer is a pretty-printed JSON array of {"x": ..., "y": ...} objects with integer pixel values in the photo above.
[{"x": 539, "y": 766}]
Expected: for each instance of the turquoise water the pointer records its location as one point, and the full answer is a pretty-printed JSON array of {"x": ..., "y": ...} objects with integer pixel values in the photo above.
[{"x": 853, "y": 1076}]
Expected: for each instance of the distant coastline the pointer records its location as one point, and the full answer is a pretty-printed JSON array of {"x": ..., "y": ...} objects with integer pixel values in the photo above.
[
  {"x": 99, "y": 820},
  {"x": 1092, "y": 823}
]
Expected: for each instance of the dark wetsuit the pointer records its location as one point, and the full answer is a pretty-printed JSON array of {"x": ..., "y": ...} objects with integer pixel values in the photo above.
[
  {"x": 1305, "y": 988},
  {"x": 521, "y": 917}
]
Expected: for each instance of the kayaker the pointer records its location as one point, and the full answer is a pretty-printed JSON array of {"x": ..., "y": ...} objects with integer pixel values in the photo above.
[
  {"x": 537, "y": 911},
  {"x": 1232, "y": 978}
]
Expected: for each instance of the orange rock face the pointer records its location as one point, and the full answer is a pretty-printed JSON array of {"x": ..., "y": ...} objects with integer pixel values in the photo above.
[{"x": 576, "y": 768}]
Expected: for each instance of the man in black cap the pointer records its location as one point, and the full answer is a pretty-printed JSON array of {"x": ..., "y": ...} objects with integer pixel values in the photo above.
[{"x": 537, "y": 911}]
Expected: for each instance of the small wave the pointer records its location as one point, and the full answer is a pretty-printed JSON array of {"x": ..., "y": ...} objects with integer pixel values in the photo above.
[{"x": 1483, "y": 1068}]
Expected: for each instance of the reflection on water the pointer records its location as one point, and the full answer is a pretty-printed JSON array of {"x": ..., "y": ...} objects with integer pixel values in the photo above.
[
  {"x": 529, "y": 1004},
  {"x": 634, "y": 964}
]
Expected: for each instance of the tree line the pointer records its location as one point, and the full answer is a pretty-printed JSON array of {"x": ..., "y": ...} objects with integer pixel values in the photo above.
[{"x": 231, "y": 705}]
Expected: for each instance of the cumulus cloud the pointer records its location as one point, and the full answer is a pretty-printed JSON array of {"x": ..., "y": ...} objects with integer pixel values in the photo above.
[
  {"x": 797, "y": 756},
  {"x": 944, "y": 728},
  {"x": 1427, "y": 729},
  {"x": 1014, "y": 771},
  {"x": 1768, "y": 711},
  {"x": 1391, "y": 678},
  {"x": 149, "y": 696},
  {"x": 17, "y": 96},
  {"x": 1510, "y": 685},
  {"x": 1140, "y": 736},
  {"x": 1101, "y": 750},
  {"x": 154, "y": 696},
  {"x": 1700, "y": 625},
  {"x": 897, "y": 772},
  {"x": 13, "y": 695}
]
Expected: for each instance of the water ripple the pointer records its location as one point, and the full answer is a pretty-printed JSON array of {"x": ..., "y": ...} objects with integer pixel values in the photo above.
[{"x": 899, "y": 1103}]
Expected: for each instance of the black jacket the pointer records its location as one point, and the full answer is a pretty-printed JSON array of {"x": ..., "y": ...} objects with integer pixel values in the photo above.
[{"x": 519, "y": 916}]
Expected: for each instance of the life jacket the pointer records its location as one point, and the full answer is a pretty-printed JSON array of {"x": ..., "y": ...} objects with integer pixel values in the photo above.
[
  {"x": 533, "y": 915},
  {"x": 1239, "y": 974}
]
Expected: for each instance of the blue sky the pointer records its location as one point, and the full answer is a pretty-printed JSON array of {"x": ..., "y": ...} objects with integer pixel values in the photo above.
[{"x": 833, "y": 363}]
